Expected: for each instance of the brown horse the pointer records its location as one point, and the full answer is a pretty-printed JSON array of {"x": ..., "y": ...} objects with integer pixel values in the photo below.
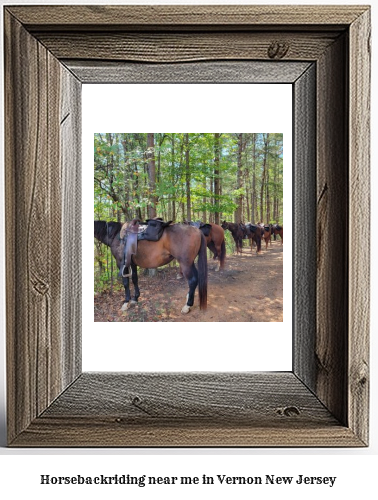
[
  {"x": 277, "y": 229},
  {"x": 178, "y": 241},
  {"x": 266, "y": 234},
  {"x": 214, "y": 239},
  {"x": 237, "y": 233},
  {"x": 216, "y": 244}
]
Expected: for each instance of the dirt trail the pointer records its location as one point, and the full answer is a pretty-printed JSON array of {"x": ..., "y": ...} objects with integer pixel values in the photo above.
[{"x": 248, "y": 289}]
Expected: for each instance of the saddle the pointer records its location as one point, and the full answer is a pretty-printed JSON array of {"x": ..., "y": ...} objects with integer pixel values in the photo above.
[
  {"x": 131, "y": 233},
  {"x": 253, "y": 227},
  {"x": 244, "y": 228},
  {"x": 202, "y": 226}
]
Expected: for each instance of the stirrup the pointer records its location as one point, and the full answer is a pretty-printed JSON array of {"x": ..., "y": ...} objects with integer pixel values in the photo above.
[{"x": 126, "y": 275}]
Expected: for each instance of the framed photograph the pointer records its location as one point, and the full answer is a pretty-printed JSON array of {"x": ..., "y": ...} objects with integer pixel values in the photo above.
[
  {"x": 323, "y": 52},
  {"x": 250, "y": 285}
]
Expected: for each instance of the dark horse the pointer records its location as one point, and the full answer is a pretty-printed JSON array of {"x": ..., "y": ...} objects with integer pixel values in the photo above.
[
  {"x": 237, "y": 233},
  {"x": 254, "y": 233},
  {"x": 241, "y": 231},
  {"x": 277, "y": 229},
  {"x": 178, "y": 241}
]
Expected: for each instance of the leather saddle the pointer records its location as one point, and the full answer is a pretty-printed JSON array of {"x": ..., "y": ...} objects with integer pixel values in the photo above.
[
  {"x": 202, "y": 226},
  {"x": 129, "y": 236},
  {"x": 132, "y": 232}
]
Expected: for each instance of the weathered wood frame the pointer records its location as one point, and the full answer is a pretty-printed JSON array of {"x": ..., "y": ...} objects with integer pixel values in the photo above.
[{"x": 49, "y": 52}]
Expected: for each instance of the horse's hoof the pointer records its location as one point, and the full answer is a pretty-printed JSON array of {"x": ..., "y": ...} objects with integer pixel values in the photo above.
[
  {"x": 133, "y": 302},
  {"x": 185, "y": 309},
  {"x": 125, "y": 306},
  {"x": 179, "y": 277}
]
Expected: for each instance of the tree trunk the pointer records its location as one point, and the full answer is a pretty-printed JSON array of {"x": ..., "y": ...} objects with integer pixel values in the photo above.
[
  {"x": 211, "y": 215},
  {"x": 152, "y": 184},
  {"x": 150, "y": 155},
  {"x": 187, "y": 179},
  {"x": 239, "y": 181},
  {"x": 204, "y": 200},
  {"x": 275, "y": 199},
  {"x": 263, "y": 177},
  {"x": 254, "y": 196},
  {"x": 173, "y": 213},
  {"x": 216, "y": 176},
  {"x": 248, "y": 208},
  {"x": 267, "y": 198}
]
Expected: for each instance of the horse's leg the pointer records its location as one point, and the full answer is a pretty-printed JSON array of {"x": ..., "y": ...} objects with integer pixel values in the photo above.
[
  {"x": 179, "y": 275},
  {"x": 236, "y": 245},
  {"x": 191, "y": 274},
  {"x": 134, "y": 278},
  {"x": 258, "y": 244},
  {"x": 211, "y": 246},
  {"x": 216, "y": 251},
  {"x": 218, "y": 255},
  {"x": 125, "y": 281}
]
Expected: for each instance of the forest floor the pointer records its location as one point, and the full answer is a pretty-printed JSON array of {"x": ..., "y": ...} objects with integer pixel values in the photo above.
[{"x": 250, "y": 288}]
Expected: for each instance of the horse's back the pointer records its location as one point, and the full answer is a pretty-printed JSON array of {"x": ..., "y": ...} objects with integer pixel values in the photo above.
[
  {"x": 181, "y": 234},
  {"x": 216, "y": 234},
  {"x": 178, "y": 241}
]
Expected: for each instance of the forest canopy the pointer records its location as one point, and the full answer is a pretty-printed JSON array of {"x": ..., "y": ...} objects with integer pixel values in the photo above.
[{"x": 183, "y": 176}]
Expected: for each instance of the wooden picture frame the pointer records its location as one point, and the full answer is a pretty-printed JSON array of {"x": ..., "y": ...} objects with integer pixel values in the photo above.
[{"x": 324, "y": 52}]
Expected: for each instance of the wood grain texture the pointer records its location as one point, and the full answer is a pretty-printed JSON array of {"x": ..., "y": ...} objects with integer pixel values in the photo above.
[
  {"x": 332, "y": 230},
  {"x": 32, "y": 189},
  {"x": 70, "y": 296},
  {"x": 42, "y": 150},
  {"x": 33, "y": 227},
  {"x": 100, "y": 432},
  {"x": 359, "y": 210},
  {"x": 184, "y": 16},
  {"x": 304, "y": 227},
  {"x": 200, "y": 72},
  {"x": 180, "y": 47},
  {"x": 197, "y": 409},
  {"x": 244, "y": 397}
]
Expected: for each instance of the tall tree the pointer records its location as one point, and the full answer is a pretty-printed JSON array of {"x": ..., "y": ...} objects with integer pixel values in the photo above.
[
  {"x": 172, "y": 179},
  {"x": 216, "y": 176},
  {"x": 150, "y": 155},
  {"x": 254, "y": 194},
  {"x": 263, "y": 176},
  {"x": 187, "y": 179},
  {"x": 239, "y": 181}
]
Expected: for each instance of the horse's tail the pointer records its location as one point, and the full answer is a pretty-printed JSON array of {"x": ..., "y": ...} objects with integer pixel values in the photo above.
[
  {"x": 202, "y": 273},
  {"x": 258, "y": 240},
  {"x": 222, "y": 256}
]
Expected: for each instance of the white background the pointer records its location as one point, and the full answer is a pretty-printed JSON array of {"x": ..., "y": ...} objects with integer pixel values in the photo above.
[
  {"x": 355, "y": 468},
  {"x": 186, "y": 346}
]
